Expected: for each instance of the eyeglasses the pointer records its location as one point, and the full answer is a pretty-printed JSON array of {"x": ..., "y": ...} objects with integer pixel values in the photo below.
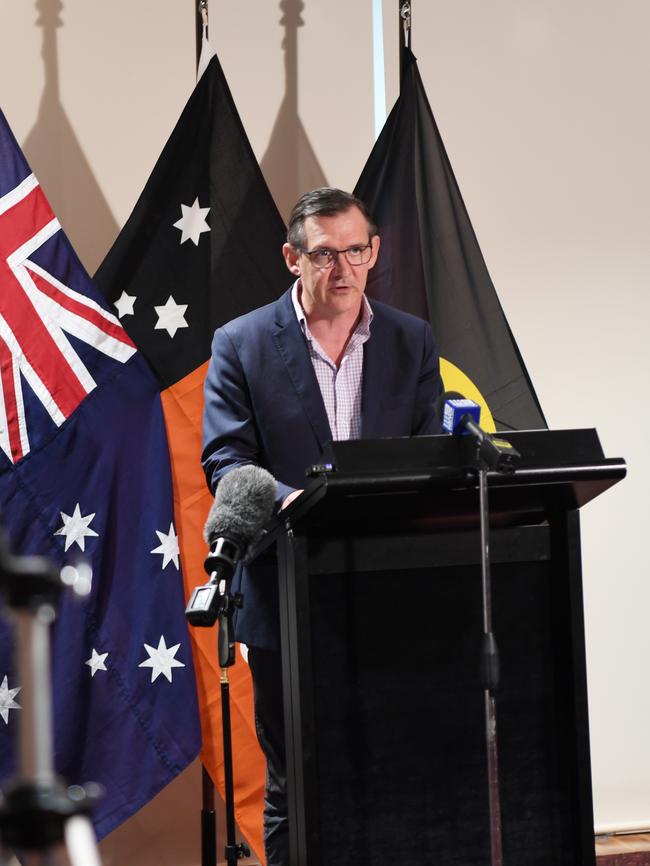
[{"x": 324, "y": 258}]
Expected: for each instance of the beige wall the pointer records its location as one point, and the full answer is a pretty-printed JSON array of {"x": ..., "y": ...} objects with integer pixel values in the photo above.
[{"x": 543, "y": 109}]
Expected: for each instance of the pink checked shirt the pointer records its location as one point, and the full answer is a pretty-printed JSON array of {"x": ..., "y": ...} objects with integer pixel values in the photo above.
[{"x": 339, "y": 386}]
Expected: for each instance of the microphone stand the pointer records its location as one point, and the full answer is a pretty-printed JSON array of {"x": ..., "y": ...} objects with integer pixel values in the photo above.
[
  {"x": 209, "y": 604},
  {"x": 41, "y": 819},
  {"x": 226, "y": 648},
  {"x": 498, "y": 455},
  {"x": 243, "y": 503},
  {"x": 489, "y": 677}
]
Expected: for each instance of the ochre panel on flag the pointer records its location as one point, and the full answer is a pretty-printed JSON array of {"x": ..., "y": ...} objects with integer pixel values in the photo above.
[
  {"x": 183, "y": 409},
  {"x": 454, "y": 379}
]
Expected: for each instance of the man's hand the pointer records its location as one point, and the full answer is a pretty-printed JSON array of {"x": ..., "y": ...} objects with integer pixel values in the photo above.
[{"x": 289, "y": 499}]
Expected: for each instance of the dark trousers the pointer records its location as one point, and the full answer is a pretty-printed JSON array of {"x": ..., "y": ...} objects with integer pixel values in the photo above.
[{"x": 266, "y": 669}]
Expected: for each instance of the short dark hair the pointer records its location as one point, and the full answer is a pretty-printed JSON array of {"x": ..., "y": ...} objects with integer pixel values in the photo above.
[{"x": 324, "y": 201}]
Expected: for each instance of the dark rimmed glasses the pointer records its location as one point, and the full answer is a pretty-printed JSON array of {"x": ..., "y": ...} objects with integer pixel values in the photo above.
[{"x": 324, "y": 258}]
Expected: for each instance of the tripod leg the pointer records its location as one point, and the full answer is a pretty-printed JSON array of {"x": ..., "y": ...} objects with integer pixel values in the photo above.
[
  {"x": 80, "y": 842},
  {"x": 208, "y": 822},
  {"x": 77, "y": 848}
]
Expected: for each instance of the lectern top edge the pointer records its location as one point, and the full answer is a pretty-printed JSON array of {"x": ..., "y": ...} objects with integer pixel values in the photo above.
[{"x": 432, "y": 477}]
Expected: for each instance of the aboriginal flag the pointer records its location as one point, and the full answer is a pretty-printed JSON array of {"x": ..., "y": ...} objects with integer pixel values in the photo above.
[
  {"x": 430, "y": 263},
  {"x": 202, "y": 246}
]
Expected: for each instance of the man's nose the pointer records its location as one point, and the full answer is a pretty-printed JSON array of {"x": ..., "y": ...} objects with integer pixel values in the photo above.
[{"x": 341, "y": 265}]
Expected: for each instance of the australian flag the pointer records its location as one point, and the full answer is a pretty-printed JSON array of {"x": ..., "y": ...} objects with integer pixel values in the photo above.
[{"x": 85, "y": 477}]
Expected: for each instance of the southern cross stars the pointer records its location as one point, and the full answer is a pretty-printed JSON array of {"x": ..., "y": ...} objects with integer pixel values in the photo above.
[
  {"x": 161, "y": 660},
  {"x": 124, "y": 305},
  {"x": 168, "y": 546},
  {"x": 75, "y": 528},
  {"x": 7, "y": 701},
  {"x": 97, "y": 662},
  {"x": 192, "y": 224},
  {"x": 171, "y": 316}
]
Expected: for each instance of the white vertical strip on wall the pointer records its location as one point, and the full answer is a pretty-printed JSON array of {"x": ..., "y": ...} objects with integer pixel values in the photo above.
[{"x": 378, "y": 71}]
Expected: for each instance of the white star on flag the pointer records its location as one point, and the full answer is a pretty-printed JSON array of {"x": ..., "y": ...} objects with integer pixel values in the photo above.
[
  {"x": 168, "y": 547},
  {"x": 192, "y": 224},
  {"x": 7, "y": 701},
  {"x": 161, "y": 660},
  {"x": 75, "y": 528},
  {"x": 171, "y": 316},
  {"x": 97, "y": 662},
  {"x": 124, "y": 305}
]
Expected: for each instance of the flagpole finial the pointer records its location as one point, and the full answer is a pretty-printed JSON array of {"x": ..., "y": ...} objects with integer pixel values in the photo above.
[
  {"x": 405, "y": 15},
  {"x": 201, "y": 28},
  {"x": 49, "y": 13}
]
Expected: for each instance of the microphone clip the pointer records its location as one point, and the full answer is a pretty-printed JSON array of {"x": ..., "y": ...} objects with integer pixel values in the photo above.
[
  {"x": 213, "y": 601},
  {"x": 492, "y": 452}
]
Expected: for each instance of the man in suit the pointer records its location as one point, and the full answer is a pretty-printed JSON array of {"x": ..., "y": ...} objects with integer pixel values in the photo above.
[{"x": 320, "y": 363}]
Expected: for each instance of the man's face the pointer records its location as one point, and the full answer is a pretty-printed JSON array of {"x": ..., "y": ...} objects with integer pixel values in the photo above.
[{"x": 327, "y": 293}]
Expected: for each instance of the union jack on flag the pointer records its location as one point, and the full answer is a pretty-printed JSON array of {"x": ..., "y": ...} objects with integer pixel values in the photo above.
[
  {"x": 85, "y": 474},
  {"x": 37, "y": 310}
]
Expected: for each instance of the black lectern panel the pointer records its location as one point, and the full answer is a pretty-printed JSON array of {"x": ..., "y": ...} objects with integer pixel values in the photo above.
[
  {"x": 392, "y": 729},
  {"x": 381, "y": 624}
]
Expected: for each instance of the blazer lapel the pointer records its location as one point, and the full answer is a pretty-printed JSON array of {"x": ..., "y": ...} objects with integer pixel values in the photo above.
[
  {"x": 290, "y": 342},
  {"x": 375, "y": 371}
]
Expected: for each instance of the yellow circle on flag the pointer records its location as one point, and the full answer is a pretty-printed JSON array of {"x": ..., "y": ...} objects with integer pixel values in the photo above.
[{"x": 454, "y": 379}]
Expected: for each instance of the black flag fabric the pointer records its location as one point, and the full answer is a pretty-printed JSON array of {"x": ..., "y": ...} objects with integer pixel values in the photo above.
[
  {"x": 430, "y": 263},
  {"x": 204, "y": 241},
  {"x": 202, "y": 246}
]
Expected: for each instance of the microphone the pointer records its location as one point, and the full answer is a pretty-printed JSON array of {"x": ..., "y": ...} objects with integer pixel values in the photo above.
[
  {"x": 455, "y": 411},
  {"x": 460, "y": 415},
  {"x": 243, "y": 504}
]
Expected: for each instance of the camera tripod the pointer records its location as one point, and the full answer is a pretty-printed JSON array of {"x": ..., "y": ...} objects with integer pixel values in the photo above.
[{"x": 42, "y": 820}]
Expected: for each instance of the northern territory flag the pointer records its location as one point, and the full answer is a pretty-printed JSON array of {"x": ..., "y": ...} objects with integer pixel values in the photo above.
[
  {"x": 430, "y": 263},
  {"x": 202, "y": 246},
  {"x": 85, "y": 480}
]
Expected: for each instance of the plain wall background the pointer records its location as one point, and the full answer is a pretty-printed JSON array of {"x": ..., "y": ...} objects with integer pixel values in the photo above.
[{"x": 543, "y": 108}]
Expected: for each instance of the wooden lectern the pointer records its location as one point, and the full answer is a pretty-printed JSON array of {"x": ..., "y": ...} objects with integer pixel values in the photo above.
[{"x": 380, "y": 606}]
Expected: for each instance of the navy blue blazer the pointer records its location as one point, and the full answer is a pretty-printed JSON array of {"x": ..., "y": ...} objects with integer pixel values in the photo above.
[{"x": 263, "y": 406}]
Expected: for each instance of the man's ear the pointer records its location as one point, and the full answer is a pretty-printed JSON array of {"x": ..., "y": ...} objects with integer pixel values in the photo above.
[
  {"x": 376, "y": 242},
  {"x": 291, "y": 258}
]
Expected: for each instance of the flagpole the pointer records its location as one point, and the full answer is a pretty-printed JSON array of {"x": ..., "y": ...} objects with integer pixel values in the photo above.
[
  {"x": 209, "y": 855},
  {"x": 404, "y": 34},
  {"x": 201, "y": 19}
]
